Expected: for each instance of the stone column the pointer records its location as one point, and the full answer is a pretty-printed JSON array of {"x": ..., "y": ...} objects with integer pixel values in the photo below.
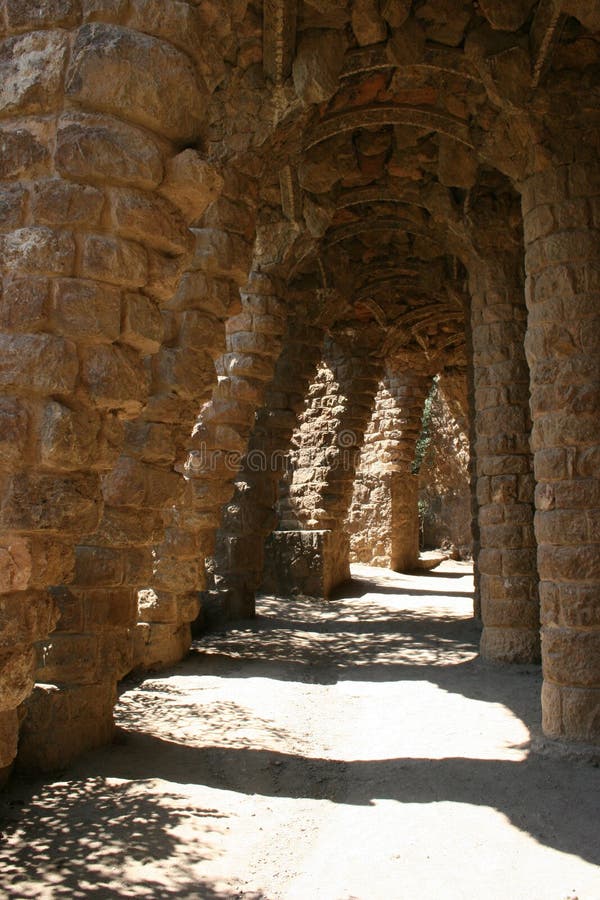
[
  {"x": 222, "y": 434},
  {"x": 98, "y": 197},
  {"x": 505, "y": 561},
  {"x": 561, "y": 210},
  {"x": 320, "y": 484},
  {"x": 383, "y": 521},
  {"x": 250, "y": 516}
]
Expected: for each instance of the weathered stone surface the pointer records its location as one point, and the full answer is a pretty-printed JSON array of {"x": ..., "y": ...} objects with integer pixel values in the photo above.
[
  {"x": 317, "y": 66},
  {"x": 48, "y": 503},
  {"x": 367, "y": 24},
  {"x": 38, "y": 251},
  {"x": 191, "y": 183},
  {"x": 58, "y": 202},
  {"x": 31, "y": 70},
  {"x": 104, "y": 149},
  {"x": 31, "y": 14},
  {"x": 116, "y": 70},
  {"x": 25, "y": 305},
  {"x": 457, "y": 165},
  {"x": 142, "y": 325},
  {"x": 23, "y": 153},
  {"x": 114, "y": 260},
  {"x": 13, "y": 432},
  {"x": 9, "y": 736},
  {"x": 506, "y": 16},
  {"x": 395, "y": 12},
  {"x": 115, "y": 378},
  {"x": 12, "y": 206},
  {"x": 84, "y": 310},
  {"x": 68, "y": 439},
  {"x": 149, "y": 219},
  {"x": 38, "y": 363}
]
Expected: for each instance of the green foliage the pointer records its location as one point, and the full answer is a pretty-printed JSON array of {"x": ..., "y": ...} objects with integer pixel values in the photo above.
[{"x": 426, "y": 433}]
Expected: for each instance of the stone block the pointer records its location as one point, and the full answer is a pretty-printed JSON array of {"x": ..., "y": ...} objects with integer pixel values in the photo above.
[
  {"x": 38, "y": 251},
  {"x": 32, "y": 14},
  {"x": 86, "y": 721},
  {"x": 58, "y": 202},
  {"x": 115, "y": 378},
  {"x": 160, "y": 645},
  {"x": 191, "y": 183},
  {"x": 174, "y": 574},
  {"x": 305, "y": 563},
  {"x": 510, "y": 645},
  {"x": 202, "y": 332},
  {"x": 571, "y": 712},
  {"x": 68, "y": 659},
  {"x": 134, "y": 483},
  {"x": 150, "y": 441},
  {"x": 220, "y": 253},
  {"x": 103, "y": 149},
  {"x": 23, "y": 153},
  {"x": 40, "y": 363},
  {"x": 108, "y": 610},
  {"x": 114, "y": 260},
  {"x": 142, "y": 79},
  {"x": 26, "y": 617},
  {"x": 38, "y": 502},
  {"x": 571, "y": 657},
  {"x": 9, "y": 736},
  {"x": 317, "y": 65},
  {"x": 25, "y": 304},
  {"x": 68, "y": 439},
  {"x": 124, "y": 527},
  {"x": 12, "y": 206},
  {"x": 186, "y": 373},
  {"x": 142, "y": 325},
  {"x": 14, "y": 423},
  {"x": 149, "y": 219},
  {"x": 99, "y": 567},
  {"x": 86, "y": 311},
  {"x": 31, "y": 72}
]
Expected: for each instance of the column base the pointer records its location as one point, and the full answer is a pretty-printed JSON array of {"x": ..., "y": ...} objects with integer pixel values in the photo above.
[
  {"x": 571, "y": 713},
  {"x": 160, "y": 645},
  {"x": 60, "y": 723},
  {"x": 306, "y": 563},
  {"x": 510, "y": 645},
  {"x": 9, "y": 734}
]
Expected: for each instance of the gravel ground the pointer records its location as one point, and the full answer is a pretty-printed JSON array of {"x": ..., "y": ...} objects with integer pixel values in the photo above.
[{"x": 350, "y": 750}]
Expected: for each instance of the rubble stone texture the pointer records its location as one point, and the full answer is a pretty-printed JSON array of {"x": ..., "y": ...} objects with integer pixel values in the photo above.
[
  {"x": 191, "y": 190},
  {"x": 383, "y": 519}
]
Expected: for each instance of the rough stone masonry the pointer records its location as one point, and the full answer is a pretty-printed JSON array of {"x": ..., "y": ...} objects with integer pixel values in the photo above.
[{"x": 221, "y": 225}]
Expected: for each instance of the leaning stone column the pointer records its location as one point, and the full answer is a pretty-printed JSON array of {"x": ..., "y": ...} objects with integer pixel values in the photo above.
[
  {"x": 383, "y": 518},
  {"x": 561, "y": 209},
  {"x": 506, "y": 557}
]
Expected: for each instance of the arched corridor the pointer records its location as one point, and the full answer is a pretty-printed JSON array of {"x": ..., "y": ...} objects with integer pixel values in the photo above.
[{"x": 351, "y": 750}]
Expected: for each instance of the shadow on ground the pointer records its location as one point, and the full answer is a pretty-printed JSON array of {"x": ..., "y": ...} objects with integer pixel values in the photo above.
[{"x": 103, "y": 836}]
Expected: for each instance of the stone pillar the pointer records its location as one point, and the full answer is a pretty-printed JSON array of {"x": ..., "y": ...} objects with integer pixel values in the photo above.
[
  {"x": 221, "y": 437},
  {"x": 250, "y": 517},
  {"x": 383, "y": 521},
  {"x": 405, "y": 521},
  {"x": 561, "y": 210},
  {"x": 319, "y": 486},
  {"x": 505, "y": 484},
  {"x": 98, "y": 197}
]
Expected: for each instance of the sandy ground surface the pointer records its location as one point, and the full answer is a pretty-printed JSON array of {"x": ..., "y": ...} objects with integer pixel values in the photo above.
[{"x": 356, "y": 750}]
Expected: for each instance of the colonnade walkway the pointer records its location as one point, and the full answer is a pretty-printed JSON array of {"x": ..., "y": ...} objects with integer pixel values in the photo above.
[{"x": 350, "y": 750}]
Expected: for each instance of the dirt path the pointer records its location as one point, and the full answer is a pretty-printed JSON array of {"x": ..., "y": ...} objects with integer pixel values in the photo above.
[{"x": 350, "y": 751}]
